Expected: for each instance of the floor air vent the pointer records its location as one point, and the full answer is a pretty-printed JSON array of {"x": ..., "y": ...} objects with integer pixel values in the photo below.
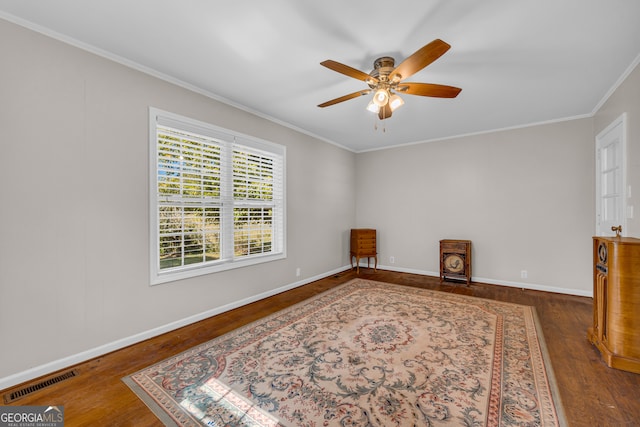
[{"x": 28, "y": 389}]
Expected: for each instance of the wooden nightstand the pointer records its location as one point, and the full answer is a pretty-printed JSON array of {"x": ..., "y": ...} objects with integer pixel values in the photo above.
[
  {"x": 363, "y": 245},
  {"x": 455, "y": 260}
]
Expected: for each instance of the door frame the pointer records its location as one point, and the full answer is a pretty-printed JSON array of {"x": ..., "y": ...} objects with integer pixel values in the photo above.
[{"x": 618, "y": 125}]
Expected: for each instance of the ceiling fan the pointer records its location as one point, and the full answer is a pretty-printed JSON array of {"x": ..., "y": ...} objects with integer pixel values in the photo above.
[{"x": 386, "y": 82}]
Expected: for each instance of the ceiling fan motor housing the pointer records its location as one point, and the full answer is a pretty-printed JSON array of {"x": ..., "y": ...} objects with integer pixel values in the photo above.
[{"x": 382, "y": 67}]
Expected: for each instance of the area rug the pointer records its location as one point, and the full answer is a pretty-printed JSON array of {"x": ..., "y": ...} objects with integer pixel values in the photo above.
[{"x": 364, "y": 354}]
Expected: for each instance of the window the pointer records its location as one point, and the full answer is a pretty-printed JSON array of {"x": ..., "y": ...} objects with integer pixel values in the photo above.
[{"x": 217, "y": 198}]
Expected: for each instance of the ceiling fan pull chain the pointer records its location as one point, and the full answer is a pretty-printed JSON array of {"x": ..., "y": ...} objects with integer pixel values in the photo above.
[{"x": 375, "y": 125}]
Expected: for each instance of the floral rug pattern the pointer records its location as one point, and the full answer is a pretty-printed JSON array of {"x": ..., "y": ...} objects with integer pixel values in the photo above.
[{"x": 364, "y": 354}]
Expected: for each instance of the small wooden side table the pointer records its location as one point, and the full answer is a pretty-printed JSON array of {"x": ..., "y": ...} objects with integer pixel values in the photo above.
[
  {"x": 363, "y": 245},
  {"x": 455, "y": 260}
]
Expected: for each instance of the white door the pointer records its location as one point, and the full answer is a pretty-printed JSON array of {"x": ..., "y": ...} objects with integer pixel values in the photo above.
[{"x": 611, "y": 178}]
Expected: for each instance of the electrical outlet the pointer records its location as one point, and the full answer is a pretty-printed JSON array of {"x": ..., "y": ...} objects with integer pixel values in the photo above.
[
  {"x": 392, "y": 259},
  {"x": 298, "y": 272},
  {"x": 523, "y": 274}
]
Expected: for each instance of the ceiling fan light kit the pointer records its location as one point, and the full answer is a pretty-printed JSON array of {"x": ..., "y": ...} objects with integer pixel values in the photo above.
[
  {"x": 381, "y": 97},
  {"x": 373, "y": 107},
  {"x": 395, "y": 102},
  {"x": 385, "y": 80}
]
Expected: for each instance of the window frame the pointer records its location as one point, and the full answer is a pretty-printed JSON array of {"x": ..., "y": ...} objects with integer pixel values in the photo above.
[{"x": 230, "y": 141}]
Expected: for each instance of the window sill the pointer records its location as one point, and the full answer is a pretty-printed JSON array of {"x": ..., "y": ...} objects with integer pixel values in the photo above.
[{"x": 195, "y": 271}]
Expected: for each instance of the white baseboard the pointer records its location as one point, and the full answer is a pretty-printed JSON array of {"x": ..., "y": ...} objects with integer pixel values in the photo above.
[
  {"x": 66, "y": 362},
  {"x": 522, "y": 285}
]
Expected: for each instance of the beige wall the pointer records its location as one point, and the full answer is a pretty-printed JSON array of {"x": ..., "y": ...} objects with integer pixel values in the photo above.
[
  {"x": 74, "y": 238},
  {"x": 523, "y": 197},
  {"x": 626, "y": 99}
]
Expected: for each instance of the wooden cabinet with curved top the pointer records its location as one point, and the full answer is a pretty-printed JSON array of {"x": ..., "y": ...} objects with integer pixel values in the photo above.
[{"x": 616, "y": 301}]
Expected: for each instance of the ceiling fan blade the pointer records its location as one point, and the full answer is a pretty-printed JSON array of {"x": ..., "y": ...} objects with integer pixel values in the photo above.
[
  {"x": 345, "y": 98},
  {"x": 420, "y": 59},
  {"x": 428, "y": 89},
  {"x": 384, "y": 112},
  {"x": 348, "y": 71}
]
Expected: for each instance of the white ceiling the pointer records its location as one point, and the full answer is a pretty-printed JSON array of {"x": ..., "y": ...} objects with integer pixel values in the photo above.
[{"x": 517, "y": 62}]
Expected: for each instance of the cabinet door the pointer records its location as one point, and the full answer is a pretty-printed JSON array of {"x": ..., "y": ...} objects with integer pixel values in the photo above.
[{"x": 600, "y": 307}]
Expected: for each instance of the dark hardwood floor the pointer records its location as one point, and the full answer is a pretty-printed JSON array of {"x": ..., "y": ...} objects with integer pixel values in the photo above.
[{"x": 592, "y": 394}]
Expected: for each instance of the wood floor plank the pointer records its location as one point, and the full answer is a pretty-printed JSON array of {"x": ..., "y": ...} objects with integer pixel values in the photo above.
[{"x": 592, "y": 393}]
